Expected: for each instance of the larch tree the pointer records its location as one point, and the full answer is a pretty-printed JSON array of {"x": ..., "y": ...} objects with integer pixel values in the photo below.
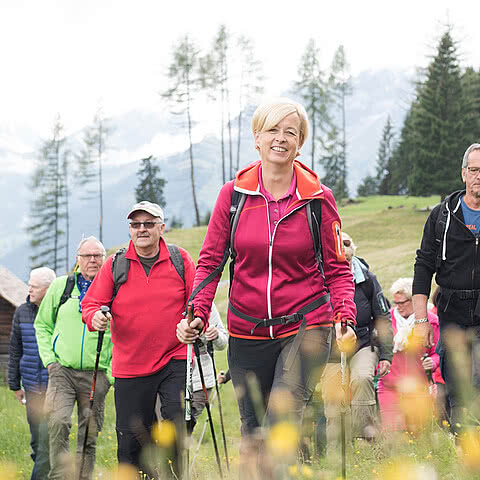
[
  {"x": 312, "y": 88},
  {"x": 185, "y": 81},
  {"x": 49, "y": 204},
  {"x": 91, "y": 161},
  {"x": 251, "y": 81},
  {"x": 340, "y": 87}
]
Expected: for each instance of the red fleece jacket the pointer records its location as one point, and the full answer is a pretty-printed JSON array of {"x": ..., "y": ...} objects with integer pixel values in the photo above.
[
  {"x": 145, "y": 312},
  {"x": 276, "y": 274}
]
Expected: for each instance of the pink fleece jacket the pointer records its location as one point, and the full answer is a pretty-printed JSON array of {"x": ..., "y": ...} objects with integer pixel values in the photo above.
[
  {"x": 403, "y": 364},
  {"x": 276, "y": 273}
]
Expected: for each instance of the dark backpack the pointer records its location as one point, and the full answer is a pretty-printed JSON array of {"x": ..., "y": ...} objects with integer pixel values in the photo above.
[
  {"x": 314, "y": 218},
  {"x": 120, "y": 267}
]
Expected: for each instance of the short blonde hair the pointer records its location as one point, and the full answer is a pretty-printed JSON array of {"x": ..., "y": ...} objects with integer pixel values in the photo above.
[
  {"x": 271, "y": 112},
  {"x": 403, "y": 286}
]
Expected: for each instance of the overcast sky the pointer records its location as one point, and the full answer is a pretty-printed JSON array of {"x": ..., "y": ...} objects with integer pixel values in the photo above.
[{"x": 65, "y": 56}]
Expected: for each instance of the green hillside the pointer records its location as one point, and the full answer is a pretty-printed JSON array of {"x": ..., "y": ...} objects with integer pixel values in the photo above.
[{"x": 387, "y": 231}]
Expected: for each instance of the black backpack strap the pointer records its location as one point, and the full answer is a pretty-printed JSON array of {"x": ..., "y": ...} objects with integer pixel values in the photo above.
[
  {"x": 238, "y": 200},
  {"x": 120, "y": 267},
  {"x": 236, "y": 205},
  {"x": 177, "y": 260},
  {"x": 67, "y": 291},
  {"x": 314, "y": 218}
]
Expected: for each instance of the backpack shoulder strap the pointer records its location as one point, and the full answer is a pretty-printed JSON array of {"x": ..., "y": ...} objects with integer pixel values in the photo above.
[
  {"x": 314, "y": 218},
  {"x": 120, "y": 267},
  {"x": 177, "y": 260},
  {"x": 67, "y": 291},
  {"x": 440, "y": 226},
  {"x": 236, "y": 205}
]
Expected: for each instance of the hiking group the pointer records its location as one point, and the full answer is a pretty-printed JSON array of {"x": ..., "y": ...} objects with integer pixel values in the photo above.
[{"x": 310, "y": 333}]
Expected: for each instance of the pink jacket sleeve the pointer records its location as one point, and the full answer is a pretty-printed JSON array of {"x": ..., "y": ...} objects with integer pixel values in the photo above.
[
  {"x": 212, "y": 251},
  {"x": 338, "y": 275}
]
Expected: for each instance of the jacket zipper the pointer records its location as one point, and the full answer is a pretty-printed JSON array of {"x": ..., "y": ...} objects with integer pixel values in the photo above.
[{"x": 270, "y": 256}]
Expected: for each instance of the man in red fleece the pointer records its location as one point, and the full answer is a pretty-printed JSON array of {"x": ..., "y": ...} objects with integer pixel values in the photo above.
[{"x": 147, "y": 357}]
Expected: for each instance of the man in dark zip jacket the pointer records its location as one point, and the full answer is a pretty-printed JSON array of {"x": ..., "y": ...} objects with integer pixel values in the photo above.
[
  {"x": 450, "y": 249},
  {"x": 27, "y": 376}
]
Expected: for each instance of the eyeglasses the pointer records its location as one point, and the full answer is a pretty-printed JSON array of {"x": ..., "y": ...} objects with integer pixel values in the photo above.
[
  {"x": 347, "y": 243},
  {"x": 147, "y": 225},
  {"x": 474, "y": 171},
  {"x": 95, "y": 256},
  {"x": 403, "y": 302}
]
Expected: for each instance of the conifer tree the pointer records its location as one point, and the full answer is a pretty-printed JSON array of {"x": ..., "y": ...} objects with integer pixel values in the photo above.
[
  {"x": 312, "y": 88},
  {"x": 340, "y": 88},
  {"x": 214, "y": 69},
  {"x": 250, "y": 85},
  {"x": 331, "y": 159},
  {"x": 384, "y": 155},
  {"x": 150, "y": 184},
  {"x": 49, "y": 207},
  {"x": 368, "y": 187},
  {"x": 440, "y": 132},
  {"x": 185, "y": 80},
  {"x": 91, "y": 161}
]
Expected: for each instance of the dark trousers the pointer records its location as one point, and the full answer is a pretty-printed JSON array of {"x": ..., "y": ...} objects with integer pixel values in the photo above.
[
  {"x": 39, "y": 434},
  {"x": 262, "y": 362},
  {"x": 459, "y": 351},
  {"x": 135, "y": 400}
]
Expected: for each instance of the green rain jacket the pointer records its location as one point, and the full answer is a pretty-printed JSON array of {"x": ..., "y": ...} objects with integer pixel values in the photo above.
[{"x": 68, "y": 341}]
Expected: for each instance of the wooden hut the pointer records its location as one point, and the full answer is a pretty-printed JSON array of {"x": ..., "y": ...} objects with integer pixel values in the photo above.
[{"x": 13, "y": 292}]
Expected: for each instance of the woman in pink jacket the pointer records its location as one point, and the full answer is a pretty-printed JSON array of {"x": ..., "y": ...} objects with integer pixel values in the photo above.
[
  {"x": 409, "y": 385},
  {"x": 282, "y": 304}
]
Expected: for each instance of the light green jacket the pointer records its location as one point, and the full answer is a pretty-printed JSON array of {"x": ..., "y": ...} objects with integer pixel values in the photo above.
[{"x": 68, "y": 341}]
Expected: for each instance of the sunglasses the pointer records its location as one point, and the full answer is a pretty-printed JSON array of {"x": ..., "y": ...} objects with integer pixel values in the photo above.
[{"x": 147, "y": 225}]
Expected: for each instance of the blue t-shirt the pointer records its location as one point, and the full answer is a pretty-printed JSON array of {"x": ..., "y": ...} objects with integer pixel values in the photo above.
[{"x": 472, "y": 218}]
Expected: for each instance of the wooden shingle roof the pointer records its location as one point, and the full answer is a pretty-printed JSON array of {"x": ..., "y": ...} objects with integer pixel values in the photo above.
[{"x": 12, "y": 288}]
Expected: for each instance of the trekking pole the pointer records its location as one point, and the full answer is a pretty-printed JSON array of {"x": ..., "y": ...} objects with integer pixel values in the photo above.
[
  {"x": 200, "y": 439},
  {"x": 210, "y": 352},
  {"x": 207, "y": 406},
  {"x": 429, "y": 375},
  {"x": 343, "y": 408},
  {"x": 105, "y": 310},
  {"x": 189, "y": 394}
]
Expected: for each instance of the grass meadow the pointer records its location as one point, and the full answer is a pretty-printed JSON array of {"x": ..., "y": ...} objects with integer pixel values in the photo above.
[{"x": 387, "y": 231}]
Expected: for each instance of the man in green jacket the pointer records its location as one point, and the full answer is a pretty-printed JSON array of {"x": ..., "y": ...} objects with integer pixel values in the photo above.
[{"x": 68, "y": 350}]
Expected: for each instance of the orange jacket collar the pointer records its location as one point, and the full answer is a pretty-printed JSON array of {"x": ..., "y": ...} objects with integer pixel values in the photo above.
[{"x": 308, "y": 184}]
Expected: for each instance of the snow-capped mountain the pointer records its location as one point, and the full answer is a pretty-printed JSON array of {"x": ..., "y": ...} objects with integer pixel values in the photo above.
[{"x": 138, "y": 134}]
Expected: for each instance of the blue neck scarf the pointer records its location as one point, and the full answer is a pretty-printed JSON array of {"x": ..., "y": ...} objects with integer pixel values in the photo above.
[{"x": 82, "y": 285}]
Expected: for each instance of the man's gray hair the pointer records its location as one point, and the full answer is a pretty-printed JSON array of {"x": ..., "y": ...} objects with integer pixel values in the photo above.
[
  {"x": 44, "y": 275},
  {"x": 403, "y": 286},
  {"x": 471, "y": 148},
  {"x": 91, "y": 238}
]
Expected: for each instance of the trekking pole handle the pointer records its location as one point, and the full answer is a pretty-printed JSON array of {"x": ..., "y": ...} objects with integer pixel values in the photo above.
[
  {"x": 105, "y": 310},
  {"x": 343, "y": 326},
  {"x": 429, "y": 371}
]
